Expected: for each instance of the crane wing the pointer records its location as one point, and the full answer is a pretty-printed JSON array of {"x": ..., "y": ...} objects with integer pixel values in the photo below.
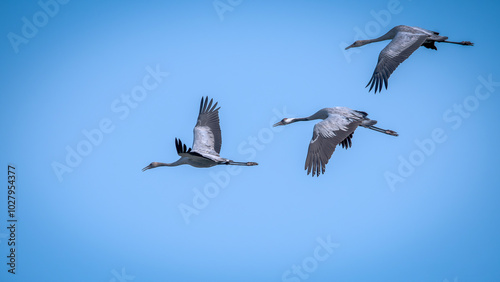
[
  {"x": 207, "y": 136},
  {"x": 398, "y": 50},
  {"x": 347, "y": 143},
  {"x": 327, "y": 134}
]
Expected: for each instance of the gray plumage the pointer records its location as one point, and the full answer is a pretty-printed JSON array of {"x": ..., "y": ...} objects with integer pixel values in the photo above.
[
  {"x": 207, "y": 135},
  {"x": 405, "y": 40},
  {"x": 207, "y": 142},
  {"x": 337, "y": 128}
]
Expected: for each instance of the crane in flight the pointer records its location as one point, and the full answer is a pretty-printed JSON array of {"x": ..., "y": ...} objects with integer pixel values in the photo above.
[
  {"x": 337, "y": 128},
  {"x": 206, "y": 144},
  {"x": 405, "y": 40}
]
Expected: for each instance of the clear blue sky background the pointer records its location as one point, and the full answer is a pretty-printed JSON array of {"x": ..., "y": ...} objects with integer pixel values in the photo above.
[{"x": 262, "y": 61}]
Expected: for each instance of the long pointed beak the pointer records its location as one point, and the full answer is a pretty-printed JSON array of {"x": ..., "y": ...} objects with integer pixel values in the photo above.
[
  {"x": 146, "y": 168},
  {"x": 278, "y": 124},
  {"x": 348, "y": 47}
]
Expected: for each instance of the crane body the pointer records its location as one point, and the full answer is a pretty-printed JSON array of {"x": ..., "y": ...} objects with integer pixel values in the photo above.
[
  {"x": 404, "y": 41},
  {"x": 337, "y": 128},
  {"x": 207, "y": 142}
]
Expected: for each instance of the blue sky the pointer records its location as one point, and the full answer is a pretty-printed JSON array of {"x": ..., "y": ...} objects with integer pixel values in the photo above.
[{"x": 117, "y": 82}]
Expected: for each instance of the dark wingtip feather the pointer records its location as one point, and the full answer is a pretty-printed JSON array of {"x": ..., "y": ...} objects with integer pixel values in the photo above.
[
  {"x": 207, "y": 109},
  {"x": 181, "y": 148},
  {"x": 177, "y": 145},
  {"x": 372, "y": 83},
  {"x": 213, "y": 107},
  {"x": 368, "y": 84},
  {"x": 205, "y": 104}
]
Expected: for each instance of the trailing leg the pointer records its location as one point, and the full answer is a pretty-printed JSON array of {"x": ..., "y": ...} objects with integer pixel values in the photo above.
[{"x": 385, "y": 131}]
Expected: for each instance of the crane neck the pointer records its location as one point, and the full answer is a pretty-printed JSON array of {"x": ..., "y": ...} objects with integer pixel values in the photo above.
[
  {"x": 165, "y": 164},
  {"x": 321, "y": 114},
  {"x": 176, "y": 163},
  {"x": 304, "y": 119},
  {"x": 299, "y": 119},
  {"x": 389, "y": 35}
]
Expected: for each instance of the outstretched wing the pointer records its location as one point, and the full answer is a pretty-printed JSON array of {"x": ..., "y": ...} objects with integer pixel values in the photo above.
[
  {"x": 207, "y": 136},
  {"x": 327, "y": 134},
  {"x": 398, "y": 50},
  {"x": 181, "y": 148}
]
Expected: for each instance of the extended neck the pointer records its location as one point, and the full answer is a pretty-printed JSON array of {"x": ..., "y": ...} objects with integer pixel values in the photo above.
[
  {"x": 158, "y": 164},
  {"x": 167, "y": 164},
  {"x": 286, "y": 121},
  {"x": 318, "y": 115},
  {"x": 368, "y": 41},
  {"x": 179, "y": 162},
  {"x": 299, "y": 119},
  {"x": 387, "y": 36},
  {"x": 321, "y": 114}
]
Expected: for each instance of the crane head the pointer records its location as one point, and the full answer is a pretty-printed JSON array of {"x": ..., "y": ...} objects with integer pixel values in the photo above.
[
  {"x": 356, "y": 43},
  {"x": 151, "y": 165},
  {"x": 284, "y": 121}
]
